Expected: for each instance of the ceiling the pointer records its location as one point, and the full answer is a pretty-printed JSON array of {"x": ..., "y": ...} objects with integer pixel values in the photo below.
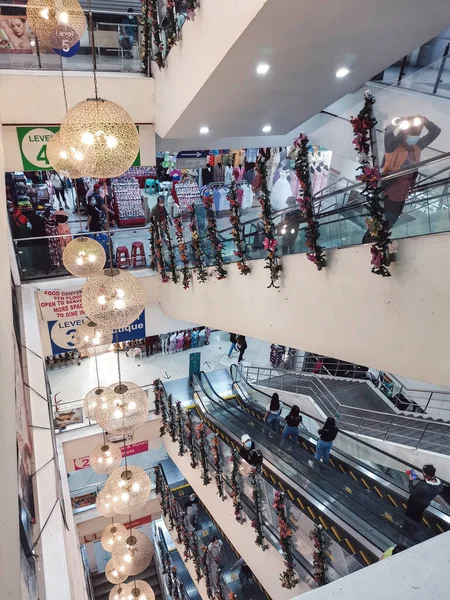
[{"x": 305, "y": 42}]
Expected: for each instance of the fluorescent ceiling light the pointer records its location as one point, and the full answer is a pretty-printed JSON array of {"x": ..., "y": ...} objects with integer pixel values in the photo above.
[
  {"x": 342, "y": 72},
  {"x": 267, "y": 128},
  {"x": 204, "y": 129},
  {"x": 262, "y": 68}
]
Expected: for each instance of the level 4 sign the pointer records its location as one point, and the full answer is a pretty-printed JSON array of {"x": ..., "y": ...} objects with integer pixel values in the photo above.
[{"x": 33, "y": 146}]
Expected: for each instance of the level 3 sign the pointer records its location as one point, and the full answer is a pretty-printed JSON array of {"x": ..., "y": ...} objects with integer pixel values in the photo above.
[{"x": 61, "y": 334}]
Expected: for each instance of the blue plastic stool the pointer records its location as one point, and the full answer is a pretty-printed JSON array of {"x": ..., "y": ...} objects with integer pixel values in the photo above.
[{"x": 153, "y": 185}]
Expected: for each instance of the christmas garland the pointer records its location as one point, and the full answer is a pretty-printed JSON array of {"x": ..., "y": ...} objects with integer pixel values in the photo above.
[
  {"x": 190, "y": 439},
  {"x": 164, "y": 558},
  {"x": 364, "y": 130},
  {"x": 175, "y": 592},
  {"x": 237, "y": 230},
  {"x": 200, "y": 433},
  {"x": 158, "y": 252},
  {"x": 257, "y": 502},
  {"x": 196, "y": 557},
  {"x": 180, "y": 429},
  {"x": 183, "y": 251},
  {"x": 216, "y": 244},
  {"x": 171, "y": 507},
  {"x": 157, "y": 389},
  {"x": 236, "y": 487},
  {"x": 146, "y": 39},
  {"x": 321, "y": 545},
  {"x": 156, "y": 31},
  {"x": 270, "y": 243},
  {"x": 219, "y": 586},
  {"x": 153, "y": 255},
  {"x": 172, "y": 28},
  {"x": 187, "y": 553},
  {"x": 191, "y": 6},
  {"x": 172, "y": 263},
  {"x": 218, "y": 475},
  {"x": 202, "y": 275},
  {"x": 289, "y": 577},
  {"x": 208, "y": 582},
  {"x": 162, "y": 489},
  {"x": 164, "y": 421},
  {"x": 316, "y": 252},
  {"x": 172, "y": 425}
]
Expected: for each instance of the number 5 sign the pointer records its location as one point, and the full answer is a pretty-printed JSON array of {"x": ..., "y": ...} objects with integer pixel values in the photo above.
[{"x": 33, "y": 147}]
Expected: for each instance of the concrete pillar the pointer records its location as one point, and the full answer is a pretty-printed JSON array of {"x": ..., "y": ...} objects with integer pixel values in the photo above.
[{"x": 10, "y": 573}]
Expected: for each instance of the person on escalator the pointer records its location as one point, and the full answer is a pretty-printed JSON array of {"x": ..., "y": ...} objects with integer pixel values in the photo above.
[
  {"x": 249, "y": 452},
  {"x": 292, "y": 421},
  {"x": 327, "y": 435},
  {"x": 422, "y": 492},
  {"x": 273, "y": 413},
  {"x": 191, "y": 508}
]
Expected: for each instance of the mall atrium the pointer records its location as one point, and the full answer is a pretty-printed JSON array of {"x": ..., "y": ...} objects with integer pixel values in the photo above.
[{"x": 226, "y": 247}]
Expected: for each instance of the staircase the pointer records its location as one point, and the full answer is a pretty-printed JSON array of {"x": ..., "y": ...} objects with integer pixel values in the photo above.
[
  {"x": 102, "y": 586},
  {"x": 359, "y": 408}
]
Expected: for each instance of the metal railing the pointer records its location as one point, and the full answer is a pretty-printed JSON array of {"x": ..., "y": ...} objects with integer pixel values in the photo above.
[{"x": 406, "y": 429}]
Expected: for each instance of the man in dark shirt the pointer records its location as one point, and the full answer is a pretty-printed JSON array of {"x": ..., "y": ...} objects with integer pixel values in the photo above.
[
  {"x": 249, "y": 453},
  {"x": 128, "y": 33},
  {"x": 423, "y": 491},
  {"x": 94, "y": 215}
]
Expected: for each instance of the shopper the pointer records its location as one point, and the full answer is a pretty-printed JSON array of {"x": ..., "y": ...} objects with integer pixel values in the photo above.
[
  {"x": 422, "y": 492},
  {"x": 245, "y": 573},
  {"x": 273, "y": 413},
  {"x": 249, "y": 452},
  {"x": 191, "y": 508},
  {"x": 215, "y": 550},
  {"x": 292, "y": 422},
  {"x": 94, "y": 216},
  {"x": 289, "y": 227},
  {"x": 242, "y": 345},
  {"x": 59, "y": 187},
  {"x": 233, "y": 344},
  {"x": 392, "y": 550},
  {"x": 327, "y": 435},
  {"x": 128, "y": 33}
]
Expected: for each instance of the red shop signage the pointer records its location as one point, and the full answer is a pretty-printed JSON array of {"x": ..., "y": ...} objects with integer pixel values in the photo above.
[{"x": 129, "y": 450}]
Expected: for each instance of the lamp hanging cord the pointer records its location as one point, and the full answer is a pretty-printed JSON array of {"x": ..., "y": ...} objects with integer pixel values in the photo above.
[
  {"x": 92, "y": 42},
  {"x": 63, "y": 82}
]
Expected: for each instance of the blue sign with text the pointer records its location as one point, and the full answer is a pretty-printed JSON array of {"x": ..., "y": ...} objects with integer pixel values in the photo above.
[{"x": 135, "y": 331}]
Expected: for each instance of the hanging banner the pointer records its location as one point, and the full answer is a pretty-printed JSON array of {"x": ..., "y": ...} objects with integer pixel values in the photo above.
[
  {"x": 58, "y": 304},
  {"x": 62, "y": 334},
  {"x": 130, "y": 450},
  {"x": 135, "y": 331}
]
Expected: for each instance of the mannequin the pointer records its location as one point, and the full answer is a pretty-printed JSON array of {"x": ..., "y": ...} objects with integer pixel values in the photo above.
[
  {"x": 187, "y": 340},
  {"x": 207, "y": 175},
  {"x": 194, "y": 339},
  {"x": 281, "y": 190},
  {"x": 201, "y": 338},
  {"x": 164, "y": 337},
  {"x": 218, "y": 172},
  {"x": 173, "y": 343},
  {"x": 228, "y": 175},
  {"x": 238, "y": 173},
  {"x": 180, "y": 341}
]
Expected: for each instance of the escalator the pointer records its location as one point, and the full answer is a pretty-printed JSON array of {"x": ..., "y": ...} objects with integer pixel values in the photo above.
[{"x": 361, "y": 509}]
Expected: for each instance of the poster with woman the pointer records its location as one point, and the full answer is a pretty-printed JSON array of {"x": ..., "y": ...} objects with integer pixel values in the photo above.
[{"x": 15, "y": 36}]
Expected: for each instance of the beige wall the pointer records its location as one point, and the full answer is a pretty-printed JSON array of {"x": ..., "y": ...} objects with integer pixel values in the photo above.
[{"x": 398, "y": 324}]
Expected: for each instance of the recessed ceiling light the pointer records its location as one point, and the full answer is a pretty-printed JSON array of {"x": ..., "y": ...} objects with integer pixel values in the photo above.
[
  {"x": 267, "y": 128},
  {"x": 262, "y": 68},
  {"x": 342, "y": 72},
  {"x": 204, "y": 129}
]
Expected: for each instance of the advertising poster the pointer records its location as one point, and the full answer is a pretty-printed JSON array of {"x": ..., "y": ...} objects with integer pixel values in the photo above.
[{"x": 15, "y": 36}]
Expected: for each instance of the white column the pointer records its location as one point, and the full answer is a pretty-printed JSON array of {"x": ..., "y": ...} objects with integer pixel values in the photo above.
[{"x": 10, "y": 573}]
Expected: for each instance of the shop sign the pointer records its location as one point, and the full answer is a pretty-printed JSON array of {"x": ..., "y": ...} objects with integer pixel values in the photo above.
[
  {"x": 138, "y": 522},
  {"x": 57, "y": 304},
  {"x": 191, "y": 159},
  {"x": 61, "y": 334},
  {"x": 135, "y": 331},
  {"x": 130, "y": 450},
  {"x": 33, "y": 147}
]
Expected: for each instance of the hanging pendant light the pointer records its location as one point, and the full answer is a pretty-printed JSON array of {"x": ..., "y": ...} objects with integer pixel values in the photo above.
[
  {"x": 113, "y": 574},
  {"x": 56, "y": 23},
  {"x": 124, "y": 408},
  {"x": 113, "y": 298},
  {"x": 92, "y": 399},
  {"x": 139, "y": 590},
  {"x": 127, "y": 489},
  {"x": 135, "y": 551},
  {"x": 84, "y": 257},
  {"x": 105, "y": 458},
  {"x": 104, "y": 506},
  {"x": 90, "y": 335},
  {"x": 111, "y": 535},
  {"x": 119, "y": 592},
  {"x": 62, "y": 159},
  {"x": 104, "y": 134}
]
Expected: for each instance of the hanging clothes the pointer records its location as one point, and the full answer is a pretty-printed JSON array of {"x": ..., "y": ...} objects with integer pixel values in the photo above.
[
  {"x": 218, "y": 172},
  {"x": 180, "y": 341},
  {"x": 228, "y": 175},
  {"x": 51, "y": 229},
  {"x": 187, "y": 340},
  {"x": 201, "y": 338},
  {"x": 62, "y": 219},
  {"x": 194, "y": 339},
  {"x": 173, "y": 343},
  {"x": 238, "y": 173}
]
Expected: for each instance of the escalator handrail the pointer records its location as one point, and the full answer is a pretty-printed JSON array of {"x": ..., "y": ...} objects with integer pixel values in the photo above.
[{"x": 345, "y": 433}]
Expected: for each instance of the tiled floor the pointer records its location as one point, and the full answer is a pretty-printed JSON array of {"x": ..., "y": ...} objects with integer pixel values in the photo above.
[{"x": 73, "y": 382}]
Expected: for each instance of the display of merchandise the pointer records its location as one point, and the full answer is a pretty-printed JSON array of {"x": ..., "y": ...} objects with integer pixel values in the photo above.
[
  {"x": 220, "y": 192},
  {"x": 141, "y": 174},
  {"x": 282, "y": 356},
  {"x": 128, "y": 202},
  {"x": 188, "y": 193},
  {"x": 59, "y": 360}
]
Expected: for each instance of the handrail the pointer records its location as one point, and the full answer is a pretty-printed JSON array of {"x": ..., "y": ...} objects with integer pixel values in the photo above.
[{"x": 345, "y": 433}]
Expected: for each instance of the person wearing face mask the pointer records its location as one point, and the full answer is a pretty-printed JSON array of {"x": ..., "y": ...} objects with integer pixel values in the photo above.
[
  {"x": 249, "y": 453},
  {"x": 403, "y": 145},
  {"x": 94, "y": 215},
  {"x": 191, "y": 508},
  {"x": 215, "y": 550}
]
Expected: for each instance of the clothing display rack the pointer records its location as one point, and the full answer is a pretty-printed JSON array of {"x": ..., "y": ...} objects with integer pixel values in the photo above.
[
  {"x": 219, "y": 191},
  {"x": 187, "y": 193}
]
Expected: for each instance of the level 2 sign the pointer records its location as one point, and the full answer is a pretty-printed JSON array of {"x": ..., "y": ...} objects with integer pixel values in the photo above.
[
  {"x": 192, "y": 159},
  {"x": 33, "y": 146}
]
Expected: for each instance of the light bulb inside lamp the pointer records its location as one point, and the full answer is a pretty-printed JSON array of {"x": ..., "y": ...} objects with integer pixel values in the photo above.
[
  {"x": 404, "y": 125},
  {"x": 87, "y": 138},
  {"x": 44, "y": 13},
  {"x": 119, "y": 304},
  {"x": 63, "y": 17},
  {"x": 102, "y": 300},
  {"x": 111, "y": 141}
]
